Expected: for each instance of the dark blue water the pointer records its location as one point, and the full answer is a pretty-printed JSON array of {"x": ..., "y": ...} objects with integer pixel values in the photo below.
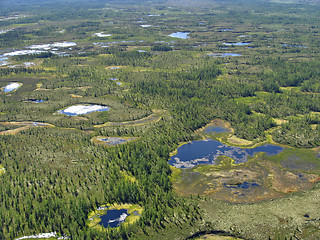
[
  {"x": 207, "y": 152},
  {"x": 244, "y": 185},
  {"x": 113, "y": 218},
  {"x": 37, "y": 101},
  {"x": 215, "y": 129}
]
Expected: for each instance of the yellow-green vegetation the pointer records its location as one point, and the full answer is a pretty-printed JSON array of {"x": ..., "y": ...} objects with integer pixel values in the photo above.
[
  {"x": 134, "y": 212},
  {"x": 2, "y": 170},
  {"x": 262, "y": 177},
  {"x": 216, "y": 237}
]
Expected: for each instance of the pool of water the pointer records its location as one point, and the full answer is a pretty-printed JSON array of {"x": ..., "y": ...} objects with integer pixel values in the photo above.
[
  {"x": 291, "y": 45},
  {"x": 237, "y": 44},
  {"x": 3, "y": 60},
  {"x": 207, "y": 151},
  {"x": 181, "y": 35},
  {"x": 216, "y": 129},
  {"x": 11, "y": 87},
  {"x": 224, "y": 54},
  {"x": 113, "y": 218},
  {"x": 83, "y": 109},
  {"x": 244, "y": 185}
]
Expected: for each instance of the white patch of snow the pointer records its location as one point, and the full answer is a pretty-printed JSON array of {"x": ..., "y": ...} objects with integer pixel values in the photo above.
[
  {"x": 40, "y": 235},
  {"x": 145, "y": 25},
  {"x": 12, "y": 86},
  {"x": 5, "y": 31},
  {"x": 101, "y": 34},
  {"x": 122, "y": 218},
  {"x": 63, "y": 44},
  {"x": 22, "y": 52},
  {"x": 83, "y": 109}
]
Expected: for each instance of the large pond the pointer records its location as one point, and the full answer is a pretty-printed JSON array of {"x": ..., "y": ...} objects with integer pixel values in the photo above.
[
  {"x": 83, "y": 109},
  {"x": 182, "y": 35},
  {"x": 207, "y": 152},
  {"x": 113, "y": 218},
  {"x": 11, "y": 87}
]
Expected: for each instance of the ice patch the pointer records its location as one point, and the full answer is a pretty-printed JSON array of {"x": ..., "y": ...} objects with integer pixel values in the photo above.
[
  {"x": 83, "y": 109},
  {"x": 12, "y": 86},
  {"x": 121, "y": 219},
  {"x": 145, "y": 25},
  {"x": 22, "y": 52},
  {"x": 182, "y": 35},
  {"x": 5, "y": 31},
  {"x": 40, "y": 235},
  {"x": 101, "y": 34}
]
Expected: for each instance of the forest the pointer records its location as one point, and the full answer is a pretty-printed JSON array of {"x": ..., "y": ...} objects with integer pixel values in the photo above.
[{"x": 252, "y": 66}]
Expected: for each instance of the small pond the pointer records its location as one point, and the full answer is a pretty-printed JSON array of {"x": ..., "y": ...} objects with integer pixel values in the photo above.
[
  {"x": 216, "y": 129},
  {"x": 113, "y": 218},
  {"x": 3, "y": 61},
  {"x": 237, "y": 44},
  {"x": 291, "y": 45},
  {"x": 83, "y": 109},
  {"x": 37, "y": 101},
  {"x": 11, "y": 87},
  {"x": 224, "y": 54},
  {"x": 181, "y": 35},
  {"x": 227, "y": 29},
  {"x": 207, "y": 151},
  {"x": 244, "y": 185}
]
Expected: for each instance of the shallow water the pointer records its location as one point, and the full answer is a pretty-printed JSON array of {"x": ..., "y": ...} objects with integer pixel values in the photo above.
[
  {"x": 237, "y": 44},
  {"x": 224, "y": 54},
  {"x": 296, "y": 46},
  {"x": 83, "y": 109},
  {"x": 207, "y": 152},
  {"x": 181, "y": 35},
  {"x": 244, "y": 185},
  {"x": 216, "y": 129},
  {"x": 113, "y": 218}
]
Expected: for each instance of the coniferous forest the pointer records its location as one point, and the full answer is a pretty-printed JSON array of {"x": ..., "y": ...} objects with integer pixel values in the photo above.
[{"x": 99, "y": 99}]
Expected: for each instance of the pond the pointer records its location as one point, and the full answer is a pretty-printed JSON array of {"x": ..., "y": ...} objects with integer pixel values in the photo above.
[
  {"x": 207, "y": 151},
  {"x": 113, "y": 218},
  {"x": 3, "y": 61},
  {"x": 83, "y": 109},
  {"x": 11, "y": 87},
  {"x": 181, "y": 35},
  {"x": 291, "y": 45},
  {"x": 237, "y": 44},
  {"x": 216, "y": 129},
  {"x": 224, "y": 54}
]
